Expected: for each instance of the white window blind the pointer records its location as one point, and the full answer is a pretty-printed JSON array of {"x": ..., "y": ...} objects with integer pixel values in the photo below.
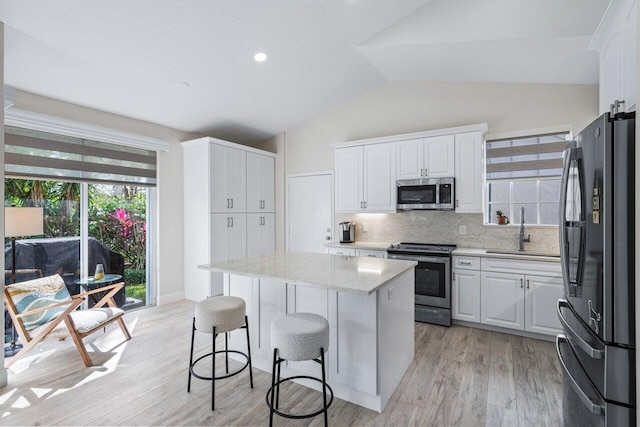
[
  {"x": 529, "y": 157},
  {"x": 38, "y": 154}
]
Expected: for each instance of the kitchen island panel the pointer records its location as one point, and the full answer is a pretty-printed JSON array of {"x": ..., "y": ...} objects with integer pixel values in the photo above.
[{"x": 371, "y": 336}]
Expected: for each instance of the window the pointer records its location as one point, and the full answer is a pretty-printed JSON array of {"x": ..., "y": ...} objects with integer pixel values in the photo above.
[{"x": 524, "y": 173}]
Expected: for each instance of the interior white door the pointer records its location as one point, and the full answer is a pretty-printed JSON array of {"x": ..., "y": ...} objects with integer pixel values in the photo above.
[{"x": 310, "y": 212}]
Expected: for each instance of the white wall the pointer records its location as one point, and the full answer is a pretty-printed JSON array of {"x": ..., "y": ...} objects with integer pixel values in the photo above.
[
  {"x": 3, "y": 371},
  {"x": 402, "y": 107},
  {"x": 169, "y": 254}
]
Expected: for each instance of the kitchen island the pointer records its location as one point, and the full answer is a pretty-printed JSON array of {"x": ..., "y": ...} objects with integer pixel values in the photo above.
[{"x": 367, "y": 301}]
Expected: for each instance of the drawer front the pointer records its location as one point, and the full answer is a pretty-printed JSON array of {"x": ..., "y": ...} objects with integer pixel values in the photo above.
[
  {"x": 341, "y": 251},
  {"x": 466, "y": 262},
  {"x": 540, "y": 268},
  {"x": 372, "y": 253}
]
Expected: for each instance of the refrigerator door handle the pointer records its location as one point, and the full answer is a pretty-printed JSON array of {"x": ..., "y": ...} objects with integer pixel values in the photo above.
[
  {"x": 566, "y": 163},
  {"x": 594, "y": 353},
  {"x": 593, "y": 407}
]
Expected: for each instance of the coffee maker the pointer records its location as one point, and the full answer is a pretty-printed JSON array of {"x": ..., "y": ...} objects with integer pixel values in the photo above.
[{"x": 347, "y": 232}]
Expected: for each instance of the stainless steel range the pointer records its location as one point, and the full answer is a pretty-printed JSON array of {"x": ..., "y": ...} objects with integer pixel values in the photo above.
[{"x": 433, "y": 279}]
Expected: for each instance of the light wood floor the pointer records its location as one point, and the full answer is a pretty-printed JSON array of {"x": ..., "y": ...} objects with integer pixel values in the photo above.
[{"x": 460, "y": 376}]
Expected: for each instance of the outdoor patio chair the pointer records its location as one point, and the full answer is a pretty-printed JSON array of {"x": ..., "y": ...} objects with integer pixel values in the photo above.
[{"x": 43, "y": 308}]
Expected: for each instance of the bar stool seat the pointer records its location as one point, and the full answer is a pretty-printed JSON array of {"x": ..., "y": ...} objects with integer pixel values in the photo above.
[
  {"x": 298, "y": 337},
  {"x": 219, "y": 315}
]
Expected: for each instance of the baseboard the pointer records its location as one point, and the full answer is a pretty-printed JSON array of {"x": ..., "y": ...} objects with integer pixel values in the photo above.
[
  {"x": 504, "y": 330},
  {"x": 3, "y": 375},
  {"x": 170, "y": 298}
]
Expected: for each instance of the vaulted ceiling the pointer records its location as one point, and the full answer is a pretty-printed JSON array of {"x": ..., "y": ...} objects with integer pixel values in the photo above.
[{"x": 189, "y": 64}]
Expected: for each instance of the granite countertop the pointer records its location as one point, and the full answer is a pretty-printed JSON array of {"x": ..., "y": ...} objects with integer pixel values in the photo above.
[
  {"x": 507, "y": 254},
  {"x": 358, "y": 275},
  {"x": 360, "y": 245}
]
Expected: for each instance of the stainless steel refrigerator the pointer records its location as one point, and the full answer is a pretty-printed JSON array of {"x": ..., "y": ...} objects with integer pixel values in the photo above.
[{"x": 597, "y": 228}]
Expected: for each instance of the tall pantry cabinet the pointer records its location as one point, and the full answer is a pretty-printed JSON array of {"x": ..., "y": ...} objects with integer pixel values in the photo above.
[{"x": 229, "y": 199}]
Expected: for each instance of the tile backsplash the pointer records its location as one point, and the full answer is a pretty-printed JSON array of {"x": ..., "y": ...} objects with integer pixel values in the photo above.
[{"x": 444, "y": 227}]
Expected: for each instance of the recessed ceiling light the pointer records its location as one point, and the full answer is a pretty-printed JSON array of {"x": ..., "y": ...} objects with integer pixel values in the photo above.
[
  {"x": 183, "y": 85},
  {"x": 260, "y": 57}
]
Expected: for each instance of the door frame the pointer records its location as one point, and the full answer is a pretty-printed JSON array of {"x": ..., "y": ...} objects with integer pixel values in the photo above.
[{"x": 287, "y": 200}]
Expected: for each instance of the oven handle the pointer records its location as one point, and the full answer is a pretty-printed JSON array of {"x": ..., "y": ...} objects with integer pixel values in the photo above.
[
  {"x": 593, "y": 407},
  {"x": 594, "y": 353},
  {"x": 420, "y": 258}
]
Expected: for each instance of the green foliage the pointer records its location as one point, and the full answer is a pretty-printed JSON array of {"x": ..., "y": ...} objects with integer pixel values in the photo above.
[
  {"x": 134, "y": 276},
  {"x": 136, "y": 291}
]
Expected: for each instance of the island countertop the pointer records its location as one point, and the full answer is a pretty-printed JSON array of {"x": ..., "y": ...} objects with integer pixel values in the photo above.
[{"x": 358, "y": 275}]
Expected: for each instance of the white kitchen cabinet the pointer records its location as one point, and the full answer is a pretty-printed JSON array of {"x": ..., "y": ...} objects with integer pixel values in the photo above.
[
  {"x": 615, "y": 40},
  {"x": 371, "y": 253},
  {"x": 519, "y": 296},
  {"x": 365, "y": 178},
  {"x": 379, "y": 178},
  {"x": 502, "y": 299},
  {"x": 431, "y": 157},
  {"x": 342, "y": 251},
  {"x": 468, "y": 175},
  {"x": 260, "y": 183},
  {"x": 541, "y": 297},
  {"x": 465, "y": 294},
  {"x": 215, "y": 204},
  {"x": 261, "y": 233},
  {"x": 228, "y": 179},
  {"x": 230, "y": 231}
]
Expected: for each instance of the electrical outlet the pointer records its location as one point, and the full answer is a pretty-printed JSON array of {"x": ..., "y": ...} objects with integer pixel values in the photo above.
[
  {"x": 365, "y": 227},
  {"x": 463, "y": 229}
]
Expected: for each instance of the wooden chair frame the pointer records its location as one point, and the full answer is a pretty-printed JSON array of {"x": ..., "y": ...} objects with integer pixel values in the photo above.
[{"x": 28, "y": 342}]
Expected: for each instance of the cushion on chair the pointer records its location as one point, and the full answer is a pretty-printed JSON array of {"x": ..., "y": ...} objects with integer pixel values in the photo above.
[
  {"x": 300, "y": 336},
  {"x": 84, "y": 321},
  {"x": 224, "y": 312},
  {"x": 38, "y": 293}
]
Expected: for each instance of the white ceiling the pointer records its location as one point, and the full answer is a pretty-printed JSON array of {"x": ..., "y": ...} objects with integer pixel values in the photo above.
[{"x": 128, "y": 56}]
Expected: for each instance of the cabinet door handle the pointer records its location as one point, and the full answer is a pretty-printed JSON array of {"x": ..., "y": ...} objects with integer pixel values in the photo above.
[
  {"x": 527, "y": 283},
  {"x": 227, "y": 203},
  {"x": 521, "y": 284},
  {"x": 231, "y": 203},
  {"x": 456, "y": 203},
  {"x": 227, "y": 222},
  {"x": 426, "y": 172},
  {"x": 365, "y": 205},
  {"x": 453, "y": 276},
  {"x": 465, "y": 263},
  {"x": 231, "y": 221}
]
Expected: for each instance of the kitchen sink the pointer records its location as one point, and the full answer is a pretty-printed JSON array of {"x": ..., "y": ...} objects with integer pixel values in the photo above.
[{"x": 522, "y": 253}]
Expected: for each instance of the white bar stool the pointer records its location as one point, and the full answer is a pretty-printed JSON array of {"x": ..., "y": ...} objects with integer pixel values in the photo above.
[
  {"x": 215, "y": 316},
  {"x": 297, "y": 337}
]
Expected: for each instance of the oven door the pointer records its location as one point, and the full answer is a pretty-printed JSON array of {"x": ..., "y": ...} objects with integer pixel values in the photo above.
[
  {"x": 433, "y": 279},
  {"x": 418, "y": 194}
]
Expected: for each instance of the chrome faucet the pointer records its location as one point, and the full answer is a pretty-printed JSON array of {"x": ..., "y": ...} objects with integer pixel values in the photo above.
[{"x": 522, "y": 239}]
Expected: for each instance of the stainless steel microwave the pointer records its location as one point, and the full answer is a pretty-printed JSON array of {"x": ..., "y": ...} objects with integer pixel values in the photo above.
[{"x": 429, "y": 193}]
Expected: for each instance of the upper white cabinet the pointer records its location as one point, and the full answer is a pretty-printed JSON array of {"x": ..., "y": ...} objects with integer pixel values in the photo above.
[
  {"x": 366, "y": 171},
  {"x": 468, "y": 184},
  {"x": 228, "y": 179},
  {"x": 615, "y": 40},
  {"x": 431, "y": 157},
  {"x": 260, "y": 183},
  {"x": 365, "y": 178},
  {"x": 222, "y": 182}
]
